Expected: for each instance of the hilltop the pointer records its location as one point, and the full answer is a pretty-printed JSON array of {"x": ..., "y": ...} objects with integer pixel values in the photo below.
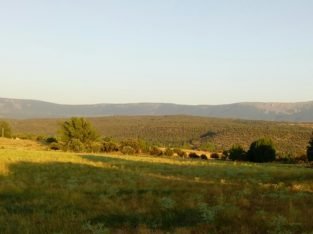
[{"x": 25, "y": 109}]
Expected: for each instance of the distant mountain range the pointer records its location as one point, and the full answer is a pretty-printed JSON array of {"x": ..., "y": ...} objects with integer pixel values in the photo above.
[{"x": 26, "y": 109}]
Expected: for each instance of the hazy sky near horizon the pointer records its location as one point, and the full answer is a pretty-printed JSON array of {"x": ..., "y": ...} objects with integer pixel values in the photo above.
[{"x": 188, "y": 52}]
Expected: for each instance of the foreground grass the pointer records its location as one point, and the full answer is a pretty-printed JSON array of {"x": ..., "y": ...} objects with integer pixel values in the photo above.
[{"x": 50, "y": 192}]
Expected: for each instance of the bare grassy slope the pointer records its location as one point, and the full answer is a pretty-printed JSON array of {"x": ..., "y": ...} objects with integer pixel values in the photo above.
[{"x": 20, "y": 144}]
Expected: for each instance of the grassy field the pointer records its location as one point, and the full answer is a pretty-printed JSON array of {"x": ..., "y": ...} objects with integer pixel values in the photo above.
[
  {"x": 54, "y": 192},
  {"x": 186, "y": 131}
]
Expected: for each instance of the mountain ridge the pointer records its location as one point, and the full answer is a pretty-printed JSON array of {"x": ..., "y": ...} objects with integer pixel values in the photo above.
[{"x": 272, "y": 111}]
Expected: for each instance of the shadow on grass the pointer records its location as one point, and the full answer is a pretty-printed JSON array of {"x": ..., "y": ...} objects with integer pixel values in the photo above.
[
  {"x": 50, "y": 193},
  {"x": 64, "y": 197},
  {"x": 210, "y": 171}
]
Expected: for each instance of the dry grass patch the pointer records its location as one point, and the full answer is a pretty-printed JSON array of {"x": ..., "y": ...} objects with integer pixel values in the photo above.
[{"x": 55, "y": 192}]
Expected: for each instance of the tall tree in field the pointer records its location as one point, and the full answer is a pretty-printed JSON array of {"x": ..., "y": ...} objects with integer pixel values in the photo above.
[
  {"x": 78, "y": 134},
  {"x": 309, "y": 150},
  {"x": 5, "y": 129}
]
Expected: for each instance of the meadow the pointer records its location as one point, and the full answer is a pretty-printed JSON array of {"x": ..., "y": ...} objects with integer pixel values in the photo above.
[{"x": 57, "y": 192}]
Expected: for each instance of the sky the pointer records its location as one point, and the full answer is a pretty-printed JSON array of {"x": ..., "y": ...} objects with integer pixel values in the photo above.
[{"x": 177, "y": 51}]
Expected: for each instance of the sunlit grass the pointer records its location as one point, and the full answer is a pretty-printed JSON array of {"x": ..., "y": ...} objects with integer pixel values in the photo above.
[{"x": 56, "y": 192}]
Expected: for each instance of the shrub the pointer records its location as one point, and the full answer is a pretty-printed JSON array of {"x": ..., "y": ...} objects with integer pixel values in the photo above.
[
  {"x": 168, "y": 152},
  {"x": 128, "y": 150},
  {"x": 94, "y": 147},
  {"x": 75, "y": 145},
  {"x": 204, "y": 157},
  {"x": 285, "y": 158},
  {"x": 144, "y": 146},
  {"x": 215, "y": 156},
  {"x": 50, "y": 140},
  {"x": 309, "y": 151},
  {"x": 55, "y": 146},
  {"x": 301, "y": 158},
  {"x": 262, "y": 151},
  {"x": 134, "y": 144},
  {"x": 180, "y": 153},
  {"x": 78, "y": 134},
  {"x": 193, "y": 155},
  {"x": 109, "y": 147},
  {"x": 40, "y": 138},
  {"x": 5, "y": 129},
  {"x": 237, "y": 153},
  {"x": 155, "y": 151},
  {"x": 225, "y": 154}
]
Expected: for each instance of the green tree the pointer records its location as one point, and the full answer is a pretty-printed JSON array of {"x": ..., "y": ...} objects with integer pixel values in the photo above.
[
  {"x": 5, "y": 129},
  {"x": 237, "y": 153},
  {"x": 261, "y": 151},
  {"x": 78, "y": 134},
  {"x": 309, "y": 150}
]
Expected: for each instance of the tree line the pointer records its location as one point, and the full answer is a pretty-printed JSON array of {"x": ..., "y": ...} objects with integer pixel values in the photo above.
[{"x": 79, "y": 135}]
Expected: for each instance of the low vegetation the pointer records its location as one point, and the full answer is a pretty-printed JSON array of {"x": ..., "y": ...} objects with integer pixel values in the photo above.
[
  {"x": 189, "y": 132},
  {"x": 78, "y": 134},
  {"x": 262, "y": 151},
  {"x": 57, "y": 192},
  {"x": 140, "y": 187},
  {"x": 310, "y": 149},
  {"x": 237, "y": 153},
  {"x": 5, "y": 129}
]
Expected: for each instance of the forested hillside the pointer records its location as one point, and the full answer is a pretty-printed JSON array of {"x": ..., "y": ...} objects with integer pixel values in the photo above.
[{"x": 184, "y": 131}]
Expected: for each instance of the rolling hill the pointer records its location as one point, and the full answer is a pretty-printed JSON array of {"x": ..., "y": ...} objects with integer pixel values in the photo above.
[
  {"x": 183, "y": 131},
  {"x": 25, "y": 109}
]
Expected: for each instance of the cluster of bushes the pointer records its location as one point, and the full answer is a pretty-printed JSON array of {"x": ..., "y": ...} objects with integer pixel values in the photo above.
[
  {"x": 261, "y": 151},
  {"x": 78, "y": 135}
]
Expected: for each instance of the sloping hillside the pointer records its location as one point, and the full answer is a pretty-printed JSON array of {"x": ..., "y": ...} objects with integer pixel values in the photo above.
[{"x": 209, "y": 133}]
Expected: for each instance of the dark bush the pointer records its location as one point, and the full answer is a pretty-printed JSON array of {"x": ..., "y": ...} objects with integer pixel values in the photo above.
[
  {"x": 262, "y": 151},
  {"x": 50, "y": 140},
  {"x": 204, "y": 157},
  {"x": 237, "y": 153},
  {"x": 155, "y": 151},
  {"x": 309, "y": 151},
  {"x": 193, "y": 155},
  {"x": 168, "y": 152},
  {"x": 55, "y": 146},
  {"x": 225, "y": 154},
  {"x": 109, "y": 147},
  {"x": 128, "y": 150},
  {"x": 215, "y": 156}
]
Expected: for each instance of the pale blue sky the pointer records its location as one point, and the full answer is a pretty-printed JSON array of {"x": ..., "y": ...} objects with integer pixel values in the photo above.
[{"x": 191, "y": 52}]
